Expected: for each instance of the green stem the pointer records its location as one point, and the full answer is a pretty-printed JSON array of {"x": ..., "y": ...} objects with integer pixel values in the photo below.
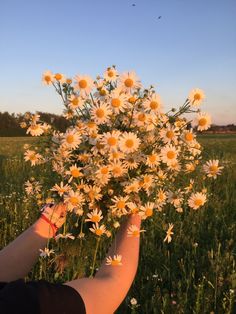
[{"x": 94, "y": 257}]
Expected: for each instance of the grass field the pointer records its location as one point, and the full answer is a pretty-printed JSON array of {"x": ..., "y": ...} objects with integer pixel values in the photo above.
[{"x": 195, "y": 273}]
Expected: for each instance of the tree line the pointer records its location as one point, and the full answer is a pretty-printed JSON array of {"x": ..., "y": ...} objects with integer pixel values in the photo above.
[{"x": 10, "y": 123}]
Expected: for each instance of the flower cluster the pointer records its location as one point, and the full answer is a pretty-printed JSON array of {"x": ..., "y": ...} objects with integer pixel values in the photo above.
[{"x": 122, "y": 154}]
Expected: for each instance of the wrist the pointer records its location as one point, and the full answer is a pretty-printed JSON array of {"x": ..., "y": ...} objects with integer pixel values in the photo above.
[{"x": 43, "y": 228}]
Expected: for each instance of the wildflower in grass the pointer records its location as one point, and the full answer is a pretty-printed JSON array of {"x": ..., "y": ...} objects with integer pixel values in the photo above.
[
  {"x": 202, "y": 121},
  {"x": 169, "y": 233},
  {"x": 64, "y": 236},
  {"x": 71, "y": 139},
  {"x": 134, "y": 231},
  {"x": 100, "y": 113},
  {"x": 33, "y": 157},
  {"x": 46, "y": 252},
  {"x": 190, "y": 167},
  {"x": 146, "y": 210},
  {"x": 197, "y": 200},
  {"x": 83, "y": 84},
  {"x": 189, "y": 187},
  {"x": 129, "y": 142},
  {"x": 61, "y": 189},
  {"x": 98, "y": 230},
  {"x": 212, "y": 168},
  {"x": 94, "y": 216},
  {"x": 196, "y": 96},
  {"x": 35, "y": 129},
  {"x": 48, "y": 78},
  {"x": 175, "y": 198},
  {"x": 115, "y": 261},
  {"x": 129, "y": 81},
  {"x": 161, "y": 197},
  {"x": 110, "y": 75}
]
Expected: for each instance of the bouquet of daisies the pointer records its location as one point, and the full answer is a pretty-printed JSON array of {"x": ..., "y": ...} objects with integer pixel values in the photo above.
[{"x": 122, "y": 153}]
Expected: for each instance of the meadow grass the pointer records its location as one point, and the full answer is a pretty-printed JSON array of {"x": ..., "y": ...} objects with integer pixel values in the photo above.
[{"x": 195, "y": 273}]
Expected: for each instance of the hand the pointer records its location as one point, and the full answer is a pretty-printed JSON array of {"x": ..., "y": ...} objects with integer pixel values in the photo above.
[{"x": 55, "y": 213}]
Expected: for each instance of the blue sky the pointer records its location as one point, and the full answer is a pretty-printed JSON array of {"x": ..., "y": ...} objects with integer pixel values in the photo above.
[{"x": 193, "y": 44}]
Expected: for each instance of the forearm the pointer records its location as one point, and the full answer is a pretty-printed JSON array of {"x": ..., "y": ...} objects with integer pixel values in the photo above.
[
  {"x": 128, "y": 247},
  {"x": 17, "y": 259}
]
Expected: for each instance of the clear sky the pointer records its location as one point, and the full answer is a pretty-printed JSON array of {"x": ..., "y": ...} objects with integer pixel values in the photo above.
[{"x": 193, "y": 44}]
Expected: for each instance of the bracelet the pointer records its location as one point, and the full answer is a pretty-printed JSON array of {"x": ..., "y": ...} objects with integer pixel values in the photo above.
[{"x": 53, "y": 226}]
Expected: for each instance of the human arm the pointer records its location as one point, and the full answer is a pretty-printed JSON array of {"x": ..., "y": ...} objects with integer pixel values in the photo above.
[
  {"x": 105, "y": 292},
  {"x": 18, "y": 257}
]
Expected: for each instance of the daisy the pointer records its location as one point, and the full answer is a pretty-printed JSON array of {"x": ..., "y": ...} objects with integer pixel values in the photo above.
[
  {"x": 152, "y": 160},
  {"x": 35, "y": 130},
  {"x": 33, "y": 157},
  {"x": 74, "y": 200},
  {"x": 146, "y": 210},
  {"x": 74, "y": 172},
  {"x": 117, "y": 169},
  {"x": 188, "y": 137},
  {"x": 134, "y": 187},
  {"x": 176, "y": 198},
  {"x": 98, "y": 230},
  {"x": 110, "y": 139},
  {"x": 94, "y": 216},
  {"x": 196, "y": 96},
  {"x": 115, "y": 156},
  {"x": 110, "y": 74},
  {"x": 134, "y": 209},
  {"x": 103, "y": 175},
  {"x": 202, "y": 121},
  {"x": 146, "y": 182},
  {"x": 64, "y": 236},
  {"x": 93, "y": 192},
  {"x": 134, "y": 231},
  {"x": 197, "y": 200},
  {"x": 61, "y": 189},
  {"x": 46, "y": 252},
  {"x": 100, "y": 113},
  {"x": 129, "y": 80},
  {"x": 60, "y": 78},
  {"x": 129, "y": 142},
  {"x": 190, "y": 167},
  {"x": 212, "y": 168},
  {"x": 83, "y": 84},
  {"x": 153, "y": 103},
  {"x": 115, "y": 261},
  {"x": 120, "y": 205},
  {"x": 48, "y": 78},
  {"x": 168, "y": 135},
  {"x": 75, "y": 102},
  {"x": 117, "y": 100},
  {"x": 161, "y": 197},
  {"x": 169, "y": 233},
  {"x": 169, "y": 154},
  {"x": 71, "y": 139},
  {"x": 131, "y": 162},
  {"x": 141, "y": 118}
]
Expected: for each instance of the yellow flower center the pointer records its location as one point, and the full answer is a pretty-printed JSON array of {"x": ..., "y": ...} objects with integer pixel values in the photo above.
[
  {"x": 153, "y": 105},
  {"x": 83, "y": 83},
  {"x": 135, "y": 233},
  {"x": 129, "y": 143},
  {"x": 112, "y": 141},
  {"x": 75, "y": 173},
  {"x": 104, "y": 170},
  {"x": 115, "y": 262},
  {"x": 32, "y": 157},
  {"x": 120, "y": 204},
  {"x": 202, "y": 121},
  {"x": 70, "y": 139},
  {"x": 132, "y": 100},
  {"x": 102, "y": 92},
  {"x": 115, "y": 102},
  {"x": 58, "y": 76},
  {"x": 110, "y": 73},
  {"x": 129, "y": 82},
  {"x": 198, "y": 202},
  {"x": 116, "y": 170},
  {"x": 98, "y": 232},
  {"x": 47, "y": 78},
  {"x": 68, "y": 81},
  {"x": 142, "y": 117},
  {"x": 100, "y": 113},
  {"x": 152, "y": 158},
  {"x": 170, "y": 134},
  {"x": 189, "y": 136},
  {"x": 197, "y": 96},
  {"x": 34, "y": 127},
  {"x": 95, "y": 218},
  {"x": 75, "y": 101},
  {"x": 148, "y": 212},
  {"x": 134, "y": 210},
  {"x": 170, "y": 154},
  {"x": 91, "y": 124},
  {"x": 74, "y": 200},
  {"x": 213, "y": 168}
]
